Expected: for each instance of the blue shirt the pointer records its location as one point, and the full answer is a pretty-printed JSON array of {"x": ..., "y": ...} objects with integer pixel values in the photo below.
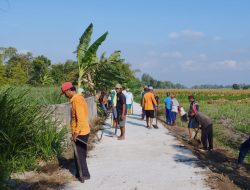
[{"x": 168, "y": 102}]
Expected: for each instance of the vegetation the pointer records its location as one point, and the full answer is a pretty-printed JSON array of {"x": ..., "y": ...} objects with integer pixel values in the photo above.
[
  {"x": 148, "y": 80},
  {"x": 229, "y": 110},
  {"x": 27, "y": 132}
]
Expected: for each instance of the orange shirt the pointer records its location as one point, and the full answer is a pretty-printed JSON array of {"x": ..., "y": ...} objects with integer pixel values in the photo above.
[
  {"x": 79, "y": 112},
  {"x": 149, "y": 101}
]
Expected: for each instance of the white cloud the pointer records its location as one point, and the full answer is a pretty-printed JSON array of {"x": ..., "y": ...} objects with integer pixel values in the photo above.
[
  {"x": 231, "y": 64},
  {"x": 203, "y": 56},
  {"x": 217, "y": 38},
  {"x": 174, "y": 54},
  {"x": 186, "y": 34}
]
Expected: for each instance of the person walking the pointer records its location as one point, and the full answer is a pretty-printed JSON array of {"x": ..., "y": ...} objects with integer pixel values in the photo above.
[
  {"x": 142, "y": 96},
  {"x": 121, "y": 110},
  {"x": 174, "y": 109},
  {"x": 244, "y": 149},
  {"x": 129, "y": 101},
  {"x": 192, "y": 124},
  {"x": 168, "y": 107},
  {"x": 79, "y": 127},
  {"x": 148, "y": 105},
  {"x": 206, "y": 126}
]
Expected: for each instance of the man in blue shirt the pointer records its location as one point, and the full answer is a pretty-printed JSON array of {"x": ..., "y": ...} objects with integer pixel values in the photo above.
[{"x": 168, "y": 107}]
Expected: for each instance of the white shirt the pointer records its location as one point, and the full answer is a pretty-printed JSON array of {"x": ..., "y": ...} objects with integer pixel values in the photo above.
[
  {"x": 175, "y": 105},
  {"x": 129, "y": 98}
]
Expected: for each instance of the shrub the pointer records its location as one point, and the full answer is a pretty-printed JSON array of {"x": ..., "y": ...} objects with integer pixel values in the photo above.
[{"x": 26, "y": 133}]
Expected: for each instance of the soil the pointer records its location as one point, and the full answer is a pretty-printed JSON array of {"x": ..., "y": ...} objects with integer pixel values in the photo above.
[{"x": 224, "y": 172}]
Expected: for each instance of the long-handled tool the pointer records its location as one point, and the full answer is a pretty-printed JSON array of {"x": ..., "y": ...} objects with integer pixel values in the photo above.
[
  {"x": 77, "y": 158},
  {"x": 196, "y": 133}
]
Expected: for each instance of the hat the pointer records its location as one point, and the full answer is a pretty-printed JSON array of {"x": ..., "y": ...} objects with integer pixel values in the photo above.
[
  {"x": 145, "y": 87},
  {"x": 150, "y": 88},
  {"x": 118, "y": 86},
  {"x": 80, "y": 90},
  {"x": 66, "y": 86}
]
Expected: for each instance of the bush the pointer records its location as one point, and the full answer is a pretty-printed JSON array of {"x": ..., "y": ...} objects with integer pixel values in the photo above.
[{"x": 26, "y": 133}]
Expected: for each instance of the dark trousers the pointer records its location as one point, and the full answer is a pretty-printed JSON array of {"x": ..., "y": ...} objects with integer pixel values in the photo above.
[
  {"x": 82, "y": 155},
  {"x": 244, "y": 149},
  {"x": 207, "y": 137},
  {"x": 168, "y": 116}
]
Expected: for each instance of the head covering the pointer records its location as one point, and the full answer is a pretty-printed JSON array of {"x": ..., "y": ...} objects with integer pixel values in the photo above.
[
  {"x": 80, "y": 90},
  {"x": 66, "y": 86},
  {"x": 150, "y": 88},
  {"x": 145, "y": 87},
  {"x": 118, "y": 86}
]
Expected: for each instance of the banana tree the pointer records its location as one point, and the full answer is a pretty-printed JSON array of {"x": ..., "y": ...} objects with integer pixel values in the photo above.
[{"x": 86, "y": 56}]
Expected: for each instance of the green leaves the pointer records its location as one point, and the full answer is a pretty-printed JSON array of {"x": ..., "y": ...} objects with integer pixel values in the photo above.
[{"x": 86, "y": 56}]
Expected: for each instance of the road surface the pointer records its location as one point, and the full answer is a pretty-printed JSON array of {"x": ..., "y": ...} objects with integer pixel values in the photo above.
[{"x": 149, "y": 159}]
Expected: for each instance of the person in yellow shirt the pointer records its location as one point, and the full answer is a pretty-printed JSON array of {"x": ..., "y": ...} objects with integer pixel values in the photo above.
[
  {"x": 79, "y": 127},
  {"x": 149, "y": 104}
]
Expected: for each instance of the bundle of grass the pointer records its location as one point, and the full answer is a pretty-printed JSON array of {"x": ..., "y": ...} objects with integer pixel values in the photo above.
[{"x": 27, "y": 134}]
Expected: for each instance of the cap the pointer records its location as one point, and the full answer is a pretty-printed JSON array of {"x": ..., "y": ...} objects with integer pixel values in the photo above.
[
  {"x": 80, "y": 90},
  {"x": 145, "y": 87},
  {"x": 66, "y": 86},
  {"x": 118, "y": 86},
  {"x": 150, "y": 88}
]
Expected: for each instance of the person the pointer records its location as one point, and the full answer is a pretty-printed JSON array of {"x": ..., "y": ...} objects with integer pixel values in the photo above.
[
  {"x": 192, "y": 124},
  {"x": 148, "y": 105},
  {"x": 206, "y": 126},
  {"x": 103, "y": 102},
  {"x": 129, "y": 101},
  {"x": 182, "y": 113},
  {"x": 79, "y": 126},
  {"x": 114, "y": 110},
  {"x": 244, "y": 149},
  {"x": 155, "y": 111},
  {"x": 142, "y": 96},
  {"x": 168, "y": 107},
  {"x": 174, "y": 109},
  {"x": 121, "y": 110}
]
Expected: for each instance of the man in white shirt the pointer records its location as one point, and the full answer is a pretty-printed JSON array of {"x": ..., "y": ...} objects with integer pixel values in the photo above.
[{"x": 129, "y": 101}]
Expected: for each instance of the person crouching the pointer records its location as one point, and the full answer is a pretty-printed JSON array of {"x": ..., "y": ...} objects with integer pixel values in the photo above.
[{"x": 206, "y": 126}]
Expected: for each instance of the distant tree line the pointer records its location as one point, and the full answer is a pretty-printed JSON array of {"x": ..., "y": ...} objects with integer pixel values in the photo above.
[{"x": 149, "y": 80}]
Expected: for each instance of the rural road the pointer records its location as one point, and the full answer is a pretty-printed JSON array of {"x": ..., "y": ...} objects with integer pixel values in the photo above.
[{"x": 146, "y": 160}]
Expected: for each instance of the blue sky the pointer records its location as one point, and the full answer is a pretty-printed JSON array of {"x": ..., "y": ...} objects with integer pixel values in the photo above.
[{"x": 185, "y": 41}]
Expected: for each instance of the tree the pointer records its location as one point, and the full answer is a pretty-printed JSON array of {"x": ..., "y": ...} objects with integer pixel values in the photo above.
[
  {"x": 236, "y": 86},
  {"x": 86, "y": 56},
  {"x": 40, "y": 68}
]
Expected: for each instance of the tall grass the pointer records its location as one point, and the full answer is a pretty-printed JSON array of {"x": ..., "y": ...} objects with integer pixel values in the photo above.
[{"x": 26, "y": 132}]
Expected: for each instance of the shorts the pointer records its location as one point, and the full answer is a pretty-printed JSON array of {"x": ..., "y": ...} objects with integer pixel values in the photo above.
[
  {"x": 193, "y": 123},
  {"x": 122, "y": 122},
  {"x": 114, "y": 113},
  {"x": 150, "y": 113},
  {"x": 129, "y": 106}
]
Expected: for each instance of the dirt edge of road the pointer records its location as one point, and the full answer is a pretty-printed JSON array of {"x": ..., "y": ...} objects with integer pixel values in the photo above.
[{"x": 224, "y": 174}]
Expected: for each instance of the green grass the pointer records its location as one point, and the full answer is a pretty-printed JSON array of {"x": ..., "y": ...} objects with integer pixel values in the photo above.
[{"x": 228, "y": 109}]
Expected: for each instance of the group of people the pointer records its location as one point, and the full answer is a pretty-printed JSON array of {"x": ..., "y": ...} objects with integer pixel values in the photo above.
[{"x": 80, "y": 127}]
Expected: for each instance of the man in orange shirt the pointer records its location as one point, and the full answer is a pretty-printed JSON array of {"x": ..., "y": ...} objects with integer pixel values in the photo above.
[
  {"x": 149, "y": 104},
  {"x": 79, "y": 127}
]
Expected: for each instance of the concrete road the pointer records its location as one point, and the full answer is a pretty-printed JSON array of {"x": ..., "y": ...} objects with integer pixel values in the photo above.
[{"x": 149, "y": 159}]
